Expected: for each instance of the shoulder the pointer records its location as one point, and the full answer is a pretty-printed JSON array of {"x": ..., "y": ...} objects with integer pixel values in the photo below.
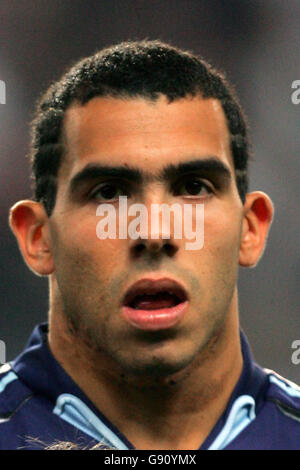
[
  {"x": 13, "y": 397},
  {"x": 12, "y": 392},
  {"x": 272, "y": 421},
  {"x": 27, "y": 420},
  {"x": 278, "y": 422},
  {"x": 21, "y": 412},
  {"x": 284, "y": 394}
]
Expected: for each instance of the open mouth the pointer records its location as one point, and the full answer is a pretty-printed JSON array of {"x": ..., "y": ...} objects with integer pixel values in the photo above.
[
  {"x": 154, "y": 301},
  {"x": 154, "y": 304}
]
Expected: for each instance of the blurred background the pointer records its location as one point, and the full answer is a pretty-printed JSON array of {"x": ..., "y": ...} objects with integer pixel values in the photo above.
[{"x": 256, "y": 43}]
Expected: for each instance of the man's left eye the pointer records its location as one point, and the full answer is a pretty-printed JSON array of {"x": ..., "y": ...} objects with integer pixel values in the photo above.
[{"x": 194, "y": 187}]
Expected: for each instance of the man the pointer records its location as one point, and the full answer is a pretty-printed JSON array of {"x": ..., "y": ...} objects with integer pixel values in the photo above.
[{"x": 143, "y": 348}]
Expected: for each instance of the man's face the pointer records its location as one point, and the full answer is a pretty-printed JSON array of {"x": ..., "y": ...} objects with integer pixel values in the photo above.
[{"x": 92, "y": 276}]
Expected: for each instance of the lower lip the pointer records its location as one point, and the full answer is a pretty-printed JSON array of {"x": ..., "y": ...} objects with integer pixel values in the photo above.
[{"x": 153, "y": 320}]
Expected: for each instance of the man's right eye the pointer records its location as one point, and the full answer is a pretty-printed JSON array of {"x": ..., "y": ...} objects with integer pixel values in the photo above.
[{"x": 107, "y": 192}]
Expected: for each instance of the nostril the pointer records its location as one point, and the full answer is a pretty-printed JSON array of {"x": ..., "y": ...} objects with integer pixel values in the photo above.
[
  {"x": 154, "y": 247},
  {"x": 170, "y": 249},
  {"x": 139, "y": 248}
]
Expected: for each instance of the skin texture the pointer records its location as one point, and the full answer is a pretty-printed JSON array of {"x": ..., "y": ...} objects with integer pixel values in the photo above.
[{"x": 150, "y": 384}]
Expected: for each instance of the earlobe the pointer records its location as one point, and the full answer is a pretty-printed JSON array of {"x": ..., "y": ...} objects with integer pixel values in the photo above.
[
  {"x": 258, "y": 216},
  {"x": 29, "y": 223}
]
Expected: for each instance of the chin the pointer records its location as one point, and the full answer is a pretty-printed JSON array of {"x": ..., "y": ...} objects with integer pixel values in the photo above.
[{"x": 154, "y": 366}]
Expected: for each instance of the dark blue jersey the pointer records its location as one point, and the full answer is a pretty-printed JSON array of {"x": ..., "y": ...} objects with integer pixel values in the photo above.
[{"x": 40, "y": 405}]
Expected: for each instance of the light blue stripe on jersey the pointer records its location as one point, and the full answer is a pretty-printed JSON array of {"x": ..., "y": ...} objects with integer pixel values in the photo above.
[
  {"x": 241, "y": 414},
  {"x": 77, "y": 413},
  {"x": 10, "y": 377},
  {"x": 289, "y": 388}
]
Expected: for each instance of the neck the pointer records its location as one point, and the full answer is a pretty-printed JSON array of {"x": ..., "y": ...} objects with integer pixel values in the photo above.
[{"x": 173, "y": 412}]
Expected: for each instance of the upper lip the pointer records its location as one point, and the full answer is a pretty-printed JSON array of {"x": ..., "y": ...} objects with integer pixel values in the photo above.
[{"x": 154, "y": 286}]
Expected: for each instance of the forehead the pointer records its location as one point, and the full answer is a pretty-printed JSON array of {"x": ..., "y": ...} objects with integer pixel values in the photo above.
[{"x": 146, "y": 134}]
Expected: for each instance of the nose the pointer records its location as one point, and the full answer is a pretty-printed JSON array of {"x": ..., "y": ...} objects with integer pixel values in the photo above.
[
  {"x": 155, "y": 248},
  {"x": 156, "y": 237}
]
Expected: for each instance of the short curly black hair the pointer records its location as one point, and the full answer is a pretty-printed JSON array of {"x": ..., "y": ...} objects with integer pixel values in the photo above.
[{"x": 128, "y": 70}]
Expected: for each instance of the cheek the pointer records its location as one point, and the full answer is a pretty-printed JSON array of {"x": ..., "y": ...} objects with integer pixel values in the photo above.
[
  {"x": 88, "y": 272},
  {"x": 218, "y": 258},
  {"x": 79, "y": 247},
  {"x": 222, "y": 234}
]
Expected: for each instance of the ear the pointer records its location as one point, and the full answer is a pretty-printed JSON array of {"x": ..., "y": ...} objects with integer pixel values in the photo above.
[
  {"x": 258, "y": 216},
  {"x": 29, "y": 223}
]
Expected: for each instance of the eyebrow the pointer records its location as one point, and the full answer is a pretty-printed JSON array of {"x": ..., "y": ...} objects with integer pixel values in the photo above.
[
  {"x": 96, "y": 171},
  {"x": 208, "y": 165}
]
